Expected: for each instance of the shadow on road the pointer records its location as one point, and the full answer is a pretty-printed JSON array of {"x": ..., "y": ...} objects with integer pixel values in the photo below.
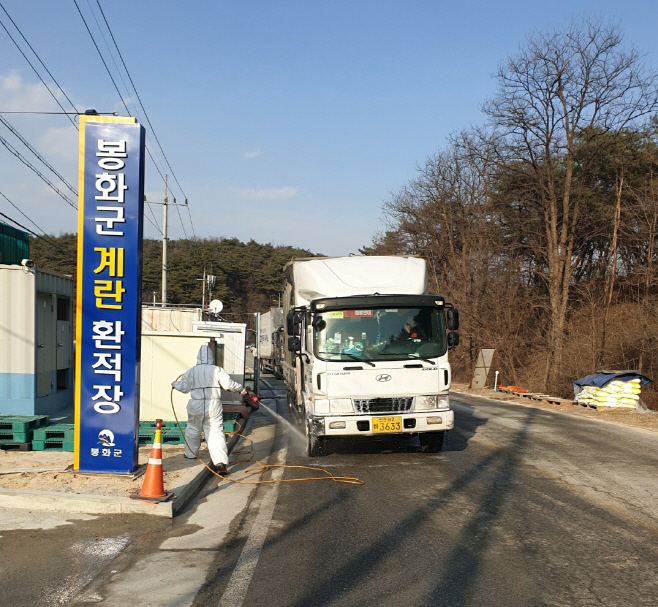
[
  {"x": 466, "y": 426},
  {"x": 463, "y": 566}
]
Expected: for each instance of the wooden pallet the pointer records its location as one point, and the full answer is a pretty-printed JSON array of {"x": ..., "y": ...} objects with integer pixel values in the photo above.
[
  {"x": 559, "y": 401},
  {"x": 590, "y": 406},
  {"x": 553, "y": 400}
]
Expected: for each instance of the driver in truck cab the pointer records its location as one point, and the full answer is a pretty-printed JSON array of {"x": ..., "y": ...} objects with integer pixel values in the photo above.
[{"x": 412, "y": 330}]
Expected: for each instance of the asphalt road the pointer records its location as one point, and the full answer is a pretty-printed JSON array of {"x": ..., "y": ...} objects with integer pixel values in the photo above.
[{"x": 524, "y": 506}]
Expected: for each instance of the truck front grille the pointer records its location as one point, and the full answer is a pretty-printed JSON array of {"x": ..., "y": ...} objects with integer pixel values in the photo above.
[{"x": 383, "y": 405}]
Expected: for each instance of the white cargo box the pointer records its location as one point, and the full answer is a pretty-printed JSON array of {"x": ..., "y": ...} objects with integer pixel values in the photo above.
[{"x": 315, "y": 278}]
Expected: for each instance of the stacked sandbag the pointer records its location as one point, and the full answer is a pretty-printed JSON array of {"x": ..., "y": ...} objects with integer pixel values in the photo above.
[{"x": 617, "y": 393}]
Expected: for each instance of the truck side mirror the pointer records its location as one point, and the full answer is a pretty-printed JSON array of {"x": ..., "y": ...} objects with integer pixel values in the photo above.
[
  {"x": 452, "y": 317},
  {"x": 294, "y": 344},
  {"x": 293, "y": 323},
  {"x": 453, "y": 339}
]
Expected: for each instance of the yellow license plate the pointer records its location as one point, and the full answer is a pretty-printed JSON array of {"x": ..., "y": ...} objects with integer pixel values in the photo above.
[{"x": 387, "y": 424}]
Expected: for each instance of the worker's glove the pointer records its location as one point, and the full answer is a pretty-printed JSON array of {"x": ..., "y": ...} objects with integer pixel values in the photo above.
[{"x": 251, "y": 400}]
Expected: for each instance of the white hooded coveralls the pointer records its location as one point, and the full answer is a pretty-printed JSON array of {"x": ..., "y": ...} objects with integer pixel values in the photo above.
[{"x": 204, "y": 409}]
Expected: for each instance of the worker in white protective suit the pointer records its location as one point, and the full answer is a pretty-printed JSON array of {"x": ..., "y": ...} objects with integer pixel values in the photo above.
[{"x": 204, "y": 383}]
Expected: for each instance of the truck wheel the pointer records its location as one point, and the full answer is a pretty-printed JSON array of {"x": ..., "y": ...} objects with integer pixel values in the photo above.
[
  {"x": 431, "y": 442},
  {"x": 314, "y": 444},
  {"x": 292, "y": 406}
]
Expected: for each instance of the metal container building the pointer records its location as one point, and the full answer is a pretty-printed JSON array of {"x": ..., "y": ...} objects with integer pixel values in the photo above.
[{"x": 36, "y": 341}]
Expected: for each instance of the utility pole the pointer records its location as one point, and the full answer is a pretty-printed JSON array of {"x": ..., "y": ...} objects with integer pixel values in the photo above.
[
  {"x": 209, "y": 281},
  {"x": 164, "y": 246},
  {"x": 164, "y": 204}
]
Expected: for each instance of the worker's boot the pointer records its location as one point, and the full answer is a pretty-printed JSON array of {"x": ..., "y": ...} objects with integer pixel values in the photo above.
[{"x": 221, "y": 469}]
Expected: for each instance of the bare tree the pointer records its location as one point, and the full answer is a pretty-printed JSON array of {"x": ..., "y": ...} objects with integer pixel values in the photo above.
[{"x": 562, "y": 89}]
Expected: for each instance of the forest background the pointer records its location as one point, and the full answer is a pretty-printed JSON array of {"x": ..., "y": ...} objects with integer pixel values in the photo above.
[{"x": 540, "y": 225}]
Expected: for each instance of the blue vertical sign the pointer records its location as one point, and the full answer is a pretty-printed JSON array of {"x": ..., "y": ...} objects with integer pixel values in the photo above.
[{"x": 109, "y": 294}]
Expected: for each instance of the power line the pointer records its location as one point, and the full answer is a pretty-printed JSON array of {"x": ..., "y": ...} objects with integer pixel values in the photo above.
[
  {"x": 52, "y": 244},
  {"x": 119, "y": 92},
  {"x": 156, "y": 225},
  {"x": 101, "y": 56},
  {"x": 39, "y": 156},
  {"x": 28, "y": 164},
  {"x": 23, "y": 214},
  {"x": 64, "y": 112},
  {"x": 32, "y": 66},
  {"x": 60, "y": 113},
  {"x": 190, "y": 215},
  {"x": 139, "y": 99},
  {"x": 181, "y": 220},
  {"x": 17, "y": 154},
  {"x": 125, "y": 67},
  {"x": 115, "y": 84}
]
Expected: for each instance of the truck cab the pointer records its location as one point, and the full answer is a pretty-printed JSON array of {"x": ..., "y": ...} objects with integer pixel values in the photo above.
[{"x": 370, "y": 365}]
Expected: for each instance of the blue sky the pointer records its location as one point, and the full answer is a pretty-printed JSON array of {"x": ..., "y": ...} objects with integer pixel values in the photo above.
[{"x": 289, "y": 122}]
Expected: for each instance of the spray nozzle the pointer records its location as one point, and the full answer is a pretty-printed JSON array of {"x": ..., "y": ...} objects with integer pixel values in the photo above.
[{"x": 251, "y": 399}]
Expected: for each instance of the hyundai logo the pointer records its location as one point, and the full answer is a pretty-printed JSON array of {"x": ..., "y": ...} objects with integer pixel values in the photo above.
[{"x": 383, "y": 377}]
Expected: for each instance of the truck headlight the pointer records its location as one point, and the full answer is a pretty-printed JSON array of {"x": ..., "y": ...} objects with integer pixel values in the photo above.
[
  {"x": 426, "y": 403},
  {"x": 341, "y": 405},
  {"x": 432, "y": 402},
  {"x": 333, "y": 406}
]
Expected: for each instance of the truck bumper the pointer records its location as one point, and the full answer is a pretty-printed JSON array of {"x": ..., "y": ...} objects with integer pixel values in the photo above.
[{"x": 361, "y": 425}]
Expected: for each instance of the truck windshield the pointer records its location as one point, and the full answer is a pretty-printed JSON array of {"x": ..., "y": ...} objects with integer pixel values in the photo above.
[{"x": 380, "y": 334}]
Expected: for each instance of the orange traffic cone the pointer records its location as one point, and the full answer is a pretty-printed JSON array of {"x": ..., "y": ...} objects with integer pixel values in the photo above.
[{"x": 153, "y": 487}]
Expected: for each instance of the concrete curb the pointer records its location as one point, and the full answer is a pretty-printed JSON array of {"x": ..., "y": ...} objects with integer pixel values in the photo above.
[{"x": 55, "y": 501}]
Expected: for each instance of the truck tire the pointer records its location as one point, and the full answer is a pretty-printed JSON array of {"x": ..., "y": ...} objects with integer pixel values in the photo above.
[
  {"x": 292, "y": 406},
  {"x": 431, "y": 442},
  {"x": 314, "y": 444}
]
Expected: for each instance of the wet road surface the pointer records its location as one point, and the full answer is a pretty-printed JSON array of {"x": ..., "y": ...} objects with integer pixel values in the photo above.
[{"x": 49, "y": 564}]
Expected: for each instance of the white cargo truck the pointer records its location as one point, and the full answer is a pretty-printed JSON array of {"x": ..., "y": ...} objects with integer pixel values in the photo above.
[
  {"x": 367, "y": 349},
  {"x": 270, "y": 333}
]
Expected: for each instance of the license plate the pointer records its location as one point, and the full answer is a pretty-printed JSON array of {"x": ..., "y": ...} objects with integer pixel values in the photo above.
[{"x": 387, "y": 424}]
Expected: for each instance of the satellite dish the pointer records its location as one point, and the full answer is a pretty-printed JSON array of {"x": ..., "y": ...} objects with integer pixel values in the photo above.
[{"x": 215, "y": 306}]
